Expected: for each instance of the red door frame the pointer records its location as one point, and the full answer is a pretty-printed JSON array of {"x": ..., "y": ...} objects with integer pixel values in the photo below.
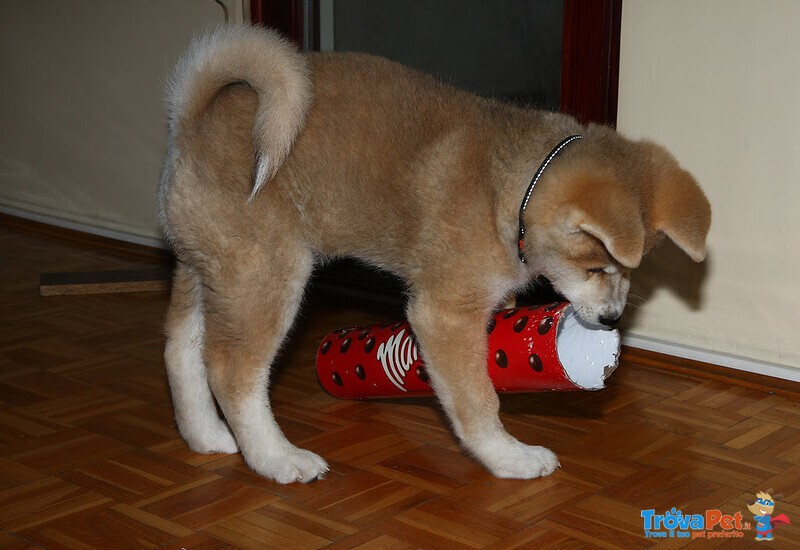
[
  {"x": 590, "y": 59},
  {"x": 285, "y": 15}
]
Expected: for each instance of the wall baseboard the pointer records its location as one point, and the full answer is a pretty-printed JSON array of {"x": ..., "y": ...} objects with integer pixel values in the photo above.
[
  {"x": 753, "y": 366},
  {"x": 83, "y": 227}
]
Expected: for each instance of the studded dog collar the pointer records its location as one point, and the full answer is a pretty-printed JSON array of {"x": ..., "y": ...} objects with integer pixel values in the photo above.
[{"x": 553, "y": 154}]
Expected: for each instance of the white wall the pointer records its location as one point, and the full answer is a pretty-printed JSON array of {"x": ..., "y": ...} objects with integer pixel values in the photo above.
[
  {"x": 717, "y": 82},
  {"x": 81, "y": 106}
]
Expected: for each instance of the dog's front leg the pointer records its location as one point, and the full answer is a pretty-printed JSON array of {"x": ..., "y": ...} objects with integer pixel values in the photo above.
[{"x": 453, "y": 342}]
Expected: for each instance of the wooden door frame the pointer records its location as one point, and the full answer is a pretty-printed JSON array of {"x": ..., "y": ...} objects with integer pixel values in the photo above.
[
  {"x": 590, "y": 60},
  {"x": 290, "y": 17},
  {"x": 589, "y": 49}
]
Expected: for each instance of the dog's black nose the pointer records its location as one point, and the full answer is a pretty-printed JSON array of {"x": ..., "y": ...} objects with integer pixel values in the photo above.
[{"x": 609, "y": 321}]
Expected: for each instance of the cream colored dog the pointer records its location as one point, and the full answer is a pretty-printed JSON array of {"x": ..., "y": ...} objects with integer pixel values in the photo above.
[{"x": 278, "y": 161}]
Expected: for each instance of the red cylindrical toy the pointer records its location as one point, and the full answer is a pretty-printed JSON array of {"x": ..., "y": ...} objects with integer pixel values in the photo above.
[{"x": 530, "y": 349}]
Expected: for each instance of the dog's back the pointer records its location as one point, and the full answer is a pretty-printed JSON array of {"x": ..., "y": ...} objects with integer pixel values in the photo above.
[{"x": 371, "y": 144}]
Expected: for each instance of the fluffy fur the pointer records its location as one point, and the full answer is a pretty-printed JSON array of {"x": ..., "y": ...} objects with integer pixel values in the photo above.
[{"x": 277, "y": 161}]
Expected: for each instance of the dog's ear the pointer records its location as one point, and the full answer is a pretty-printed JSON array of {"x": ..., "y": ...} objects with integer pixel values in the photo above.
[
  {"x": 624, "y": 242},
  {"x": 612, "y": 217},
  {"x": 680, "y": 208}
]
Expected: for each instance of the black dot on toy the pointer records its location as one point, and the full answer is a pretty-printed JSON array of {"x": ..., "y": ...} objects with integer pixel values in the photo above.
[
  {"x": 337, "y": 379},
  {"x": 398, "y": 325},
  {"x": 345, "y": 345},
  {"x": 535, "y": 362},
  {"x": 552, "y": 307},
  {"x": 360, "y": 372},
  {"x": 501, "y": 359},
  {"x": 545, "y": 325},
  {"x": 520, "y": 323},
  {"x": 422, "y": 374},
  {"x": 510, "y": 313},
  {"x": 364, "y": 334},
  {"x": 491, "y": 325},
  {"x": 325, "y": 347},
  {"x": 369, "y": 344}
]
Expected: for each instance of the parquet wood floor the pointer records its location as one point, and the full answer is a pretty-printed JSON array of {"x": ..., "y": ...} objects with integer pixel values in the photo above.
[{"x": 90, "y": 457}]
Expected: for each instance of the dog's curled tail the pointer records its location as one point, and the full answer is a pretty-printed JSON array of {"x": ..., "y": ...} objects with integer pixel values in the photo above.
[{"x": 264, "y": 60}]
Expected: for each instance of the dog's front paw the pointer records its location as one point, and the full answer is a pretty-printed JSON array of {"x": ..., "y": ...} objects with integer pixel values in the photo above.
[
  {"x": 293, "y": 466},
  {"x": 513, "y": 459},
  {"x": 525, "y": 462}
]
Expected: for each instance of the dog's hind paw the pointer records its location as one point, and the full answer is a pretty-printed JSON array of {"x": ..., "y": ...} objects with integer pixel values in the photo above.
[
  {"x": 294, "y": 466},
  {"x": 219, "y": 440},
  {"x": 516, "y": 460}
]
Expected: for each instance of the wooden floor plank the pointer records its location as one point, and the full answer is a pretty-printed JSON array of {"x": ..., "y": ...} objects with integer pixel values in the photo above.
[{"x": 90, "y": 456}]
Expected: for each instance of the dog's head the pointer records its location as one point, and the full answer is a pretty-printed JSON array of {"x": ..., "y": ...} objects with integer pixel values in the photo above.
[{"x": 602, "y": 207}]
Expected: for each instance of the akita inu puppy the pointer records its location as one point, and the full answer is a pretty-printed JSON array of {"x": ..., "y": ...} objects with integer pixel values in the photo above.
[{"x": 277, "y": 161}]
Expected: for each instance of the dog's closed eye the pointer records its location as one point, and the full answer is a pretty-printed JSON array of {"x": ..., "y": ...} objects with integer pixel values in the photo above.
[{"x": 608, "y": 270}]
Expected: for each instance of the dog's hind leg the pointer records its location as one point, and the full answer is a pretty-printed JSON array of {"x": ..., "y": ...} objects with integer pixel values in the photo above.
[
  {"x": 195, "y": 410},
  {"x": 251, "y": 302},
  {"x": 453, "y": 340}
]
